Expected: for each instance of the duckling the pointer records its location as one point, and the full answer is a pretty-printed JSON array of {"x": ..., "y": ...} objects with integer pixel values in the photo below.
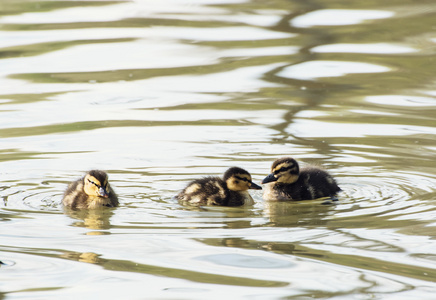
[
  {"x": 232, "y": 190},
  {"x": 288, "y": 182},
  {"x": 91, "y": 191}
]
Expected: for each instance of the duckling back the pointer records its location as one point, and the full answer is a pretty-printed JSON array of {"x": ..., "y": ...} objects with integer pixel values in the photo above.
[
  {"x": 74, "y": 195},
  {"x": 205, "y": 191}
]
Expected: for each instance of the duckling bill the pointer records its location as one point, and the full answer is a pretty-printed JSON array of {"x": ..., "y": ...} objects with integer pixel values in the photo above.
[
  {"x": 231, "y": 190},
  {"x": 91, "y": 191},
  {"x": 288, "y": 182}
]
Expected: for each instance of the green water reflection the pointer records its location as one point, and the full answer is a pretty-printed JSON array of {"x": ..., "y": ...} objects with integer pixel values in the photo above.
[{"x": 161, "y": 92}]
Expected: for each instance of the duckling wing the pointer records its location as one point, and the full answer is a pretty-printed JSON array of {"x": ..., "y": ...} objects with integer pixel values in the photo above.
[
  {"x": 74, "y": 194},
  {"x": 316, "y": 183}
]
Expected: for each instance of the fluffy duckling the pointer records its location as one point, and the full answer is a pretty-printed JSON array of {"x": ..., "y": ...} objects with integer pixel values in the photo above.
[
  {"x": 232, "y": 190},
  {"x": 288, "y": 182},
  {"x": 91, "y": 191}
]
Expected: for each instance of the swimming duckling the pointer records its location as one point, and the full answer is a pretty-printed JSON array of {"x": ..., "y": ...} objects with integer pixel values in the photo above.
[
  {"x": 288, "y": 182},
  {"x": 91, "y": 191},
  {"x": 232, "y": 190}
]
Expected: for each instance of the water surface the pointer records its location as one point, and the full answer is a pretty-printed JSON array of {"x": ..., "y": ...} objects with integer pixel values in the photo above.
[{"x": 160, "y": 92}]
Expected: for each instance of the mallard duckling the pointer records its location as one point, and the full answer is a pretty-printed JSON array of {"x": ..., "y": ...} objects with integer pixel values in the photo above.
[
  {"x": 288, "y": 182},
  {"x": 91, "y": 191},
  {"x": 232, "y": 190}
]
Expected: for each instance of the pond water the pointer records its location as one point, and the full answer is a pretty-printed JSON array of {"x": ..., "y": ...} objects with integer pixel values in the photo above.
[{"x": 159, "y": 92}]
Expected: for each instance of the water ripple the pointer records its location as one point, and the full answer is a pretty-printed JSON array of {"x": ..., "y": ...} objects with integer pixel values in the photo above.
[{"x": 161, "y": 92}]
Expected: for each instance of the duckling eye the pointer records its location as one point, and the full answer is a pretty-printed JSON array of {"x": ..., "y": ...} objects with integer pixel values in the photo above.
[
  {"x": 282, "y": 169},
  {"x": 242, "y": 178},
  {"x": 92, "y": 182},
  {"x": 279, "y": 171}
]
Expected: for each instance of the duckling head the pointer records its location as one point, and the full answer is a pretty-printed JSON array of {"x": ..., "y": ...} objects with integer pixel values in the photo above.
[
  {"x": 96, "y": 184},
  {"x": 237, "y": 179},
  {"x": 285, "y": 170}
]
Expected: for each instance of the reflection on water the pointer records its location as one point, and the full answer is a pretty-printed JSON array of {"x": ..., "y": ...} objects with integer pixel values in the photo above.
[
  {"x": 92, "y": 219},
  {"x": 158, "y": 93}
]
